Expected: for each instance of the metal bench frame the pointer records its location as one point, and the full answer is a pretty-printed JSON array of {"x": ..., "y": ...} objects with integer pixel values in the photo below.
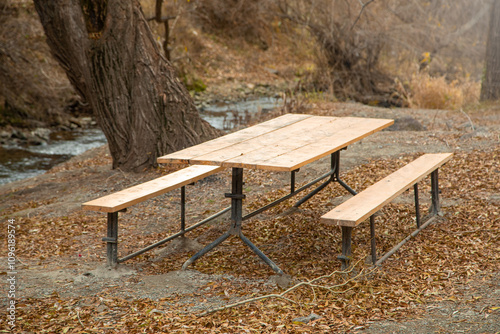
[
  {"x": 434, "y": 210},
  {"x": 112, "y": 233},
  {"x": 355, "y": 210},
  {"x": 111, "y": 238}
]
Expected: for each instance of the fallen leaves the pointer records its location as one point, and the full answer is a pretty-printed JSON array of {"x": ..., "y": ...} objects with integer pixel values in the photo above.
[{"x": 432, "y": 266}]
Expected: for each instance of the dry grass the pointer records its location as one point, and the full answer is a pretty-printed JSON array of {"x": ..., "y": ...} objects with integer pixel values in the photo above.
[{"x": 436, "y": 93}]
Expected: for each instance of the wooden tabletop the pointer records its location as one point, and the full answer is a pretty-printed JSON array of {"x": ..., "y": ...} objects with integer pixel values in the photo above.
[{"x": 284, "y": 143}]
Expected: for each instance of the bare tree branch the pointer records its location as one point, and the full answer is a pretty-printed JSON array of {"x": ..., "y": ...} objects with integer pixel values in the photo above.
[
  {"x": 312, "y": 284},
  {"x": 363, "y": 6}
]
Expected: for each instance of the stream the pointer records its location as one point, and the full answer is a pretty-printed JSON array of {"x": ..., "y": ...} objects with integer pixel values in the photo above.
[
  {"x": 227, "y": 116},
  {"x": 22, "y": 161},
  {"x": 18, "y": 161}
]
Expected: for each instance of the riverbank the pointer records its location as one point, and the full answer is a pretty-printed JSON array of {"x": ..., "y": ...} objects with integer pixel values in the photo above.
[
  {"x": 60, "y": 255},
  {"x": 27, "y": 153}
]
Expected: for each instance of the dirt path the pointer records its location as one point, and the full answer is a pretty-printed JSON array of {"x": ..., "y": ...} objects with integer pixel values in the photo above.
[{"x": 71, "y": 265}]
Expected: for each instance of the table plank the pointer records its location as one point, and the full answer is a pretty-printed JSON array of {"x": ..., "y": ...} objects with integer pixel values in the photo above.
[
  {"x": 326, "y": 127},
  {"x": 185, "y": 155},
  {"x": 332, "y": 139},
  {"x": 296, "y": 134},
  {"x": 282, "y": 144}
]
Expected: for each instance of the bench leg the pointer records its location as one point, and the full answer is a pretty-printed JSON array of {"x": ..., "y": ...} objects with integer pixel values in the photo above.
[
  {"x": 345, "y": 258},
  {"x": 372, "y": 234},
  {"x": 417, "y": 204},
  {"x": 436, "y": 207},
  {"x": 183, "y": 209},
  {"x": 112, "y": 239}
]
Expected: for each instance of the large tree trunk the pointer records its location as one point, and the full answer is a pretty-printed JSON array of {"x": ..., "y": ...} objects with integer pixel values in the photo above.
[
  {"x": 490, "y": 89},
  {"x": 112, "y": 59}
]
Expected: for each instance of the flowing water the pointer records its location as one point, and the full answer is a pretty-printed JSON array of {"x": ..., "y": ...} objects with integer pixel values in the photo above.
[
  {"x": 226, "y": 116},
  {"x": 18, "y": 162}
]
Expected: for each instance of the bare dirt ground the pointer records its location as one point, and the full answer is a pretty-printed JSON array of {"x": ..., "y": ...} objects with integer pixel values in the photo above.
[{"x": 61, "y": 258}]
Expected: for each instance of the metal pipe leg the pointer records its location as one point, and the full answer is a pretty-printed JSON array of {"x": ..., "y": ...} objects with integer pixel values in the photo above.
[
  {"x": 335, "y": 163},
  {"x": 173, "y": 236},
  {"x": 205, "y": 250},
  {"x": 183, "y": 208},
  {"x": 417, "y": 204},
  {"x": 311, "y": 194},
  {"x": 349, "y": 189},
  {"x": 436, "y": 207},
  {"x": 264, "y": 258},
  {"x": 284, "y": 198},
  {"x": 372, "y": 234},
  {"x": 292, "y": 181},
  {"x": 346, "y": 247},
  {"x": 334, "y": 176},
  {"x": 236, "y": 196},
  {"x": 112, "y": 239},
  {"x": 237, "y": 217}
]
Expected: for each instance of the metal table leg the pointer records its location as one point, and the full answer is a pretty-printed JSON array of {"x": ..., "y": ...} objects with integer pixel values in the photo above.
[
  {"x": 205, "y": 250},
  {"x": 236, "y": 218},
  {"x": 334, "y": 177}
]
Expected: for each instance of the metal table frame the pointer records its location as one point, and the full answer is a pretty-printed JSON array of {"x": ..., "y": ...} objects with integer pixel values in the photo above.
[{"x": 237, "y": 217}]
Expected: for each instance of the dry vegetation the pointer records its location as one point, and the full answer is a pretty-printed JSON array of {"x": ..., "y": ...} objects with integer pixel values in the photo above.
[
  {"x": 388, "y": 53},
  {"x": 423, "y": 54}
]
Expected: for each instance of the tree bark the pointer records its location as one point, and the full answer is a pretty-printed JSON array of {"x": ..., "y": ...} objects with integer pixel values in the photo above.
[
  {"x": 110, "y": 56},
  {"x": 490, "y": 89}
]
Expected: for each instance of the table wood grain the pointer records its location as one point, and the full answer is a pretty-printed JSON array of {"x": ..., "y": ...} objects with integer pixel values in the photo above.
[{"x": 284, "y": 143}]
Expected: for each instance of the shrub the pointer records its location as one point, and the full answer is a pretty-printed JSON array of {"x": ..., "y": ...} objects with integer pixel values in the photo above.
[
  {"x": 436, "y": 93},
  {"x": 248, "y": 19}
]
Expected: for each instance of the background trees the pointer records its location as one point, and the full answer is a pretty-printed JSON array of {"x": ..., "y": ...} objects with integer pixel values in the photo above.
[
  {"x": 490, "y": 89},
  {"x": 419, "y": 53},
  {"x": 113, "y": 61}
]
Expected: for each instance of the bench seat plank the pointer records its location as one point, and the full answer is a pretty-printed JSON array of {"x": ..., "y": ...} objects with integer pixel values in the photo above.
[
  {"x": 363, "y": 205},
  {"x": 136, "y": 194}
]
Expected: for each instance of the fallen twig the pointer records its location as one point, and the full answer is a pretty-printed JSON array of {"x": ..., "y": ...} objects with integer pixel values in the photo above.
[
  {"x": 310, "y": 284},
  {"x": 79, "y": 320},
  {"x": 363, "y": 5},
  {"x": 470, "y": 120}
]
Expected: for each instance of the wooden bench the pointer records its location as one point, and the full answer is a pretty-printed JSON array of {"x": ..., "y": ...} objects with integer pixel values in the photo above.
[
  {"x": 120, "y": 201},
  {"x": 357, "y": 209}
]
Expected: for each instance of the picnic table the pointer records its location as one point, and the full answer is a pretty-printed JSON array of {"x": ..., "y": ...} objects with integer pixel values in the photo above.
[{"x": 283, "y": 144}]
